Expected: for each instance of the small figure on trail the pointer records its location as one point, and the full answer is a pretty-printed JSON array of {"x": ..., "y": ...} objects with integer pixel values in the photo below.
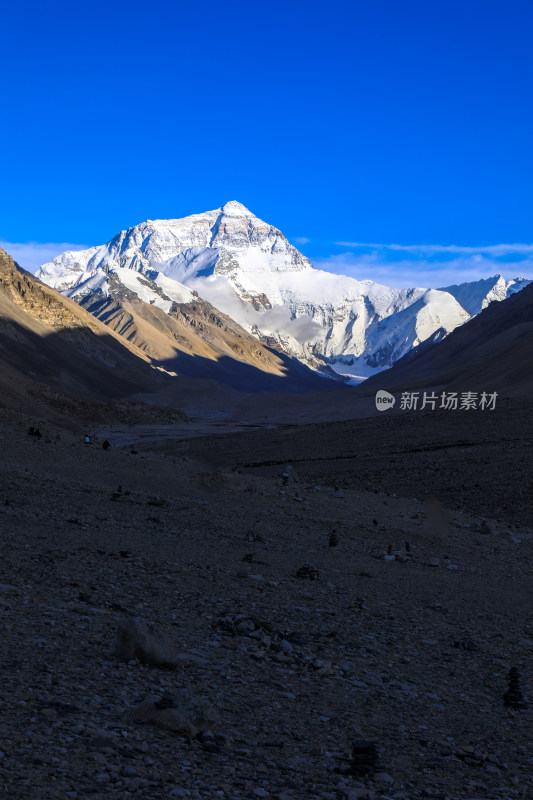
[
  {"x": 287, "y": 475},
  {"x": 106, "y": 445},
  {"x": 34, "y": 432},
  {"x": 87, "y": 439}
]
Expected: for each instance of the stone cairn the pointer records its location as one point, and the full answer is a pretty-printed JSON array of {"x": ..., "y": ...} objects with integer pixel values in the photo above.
[
  {"x": 513, "y": 697},
  {"x": 333, "y": 539},
  {"x": 364, "y": 759}
]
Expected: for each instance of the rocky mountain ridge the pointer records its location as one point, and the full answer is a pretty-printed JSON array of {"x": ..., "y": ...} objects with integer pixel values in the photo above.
[
  {"x": 47, "y": 342},
  {"x": 122, "y": 347},
  {"x": 491, "y": 352},
  {"x": 248, "y": 270}
]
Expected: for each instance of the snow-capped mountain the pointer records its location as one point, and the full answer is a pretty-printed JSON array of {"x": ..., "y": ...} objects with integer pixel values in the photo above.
[
  {"x": 477, "y": 295},
  {"x": 247, "y": 269},
  {"x": 490, "y": 353},
  {"x": 222, "y": 242}
]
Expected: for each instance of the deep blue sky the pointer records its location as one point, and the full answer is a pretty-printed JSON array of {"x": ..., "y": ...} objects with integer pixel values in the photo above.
[{"x": 388, "y": 121}]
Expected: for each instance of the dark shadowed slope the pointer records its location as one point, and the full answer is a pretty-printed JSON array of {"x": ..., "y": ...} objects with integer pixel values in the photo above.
[
  {"x": 49, "y": 344},
  {"x": 48, "y": 339},
  {"x": 492, "y": 352},
  {"x": 196, "y": 340}
]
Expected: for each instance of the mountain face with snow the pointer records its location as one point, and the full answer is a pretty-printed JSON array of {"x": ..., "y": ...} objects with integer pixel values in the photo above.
[
  {"x": 477, "y": 295},
  {"x": 49, "y": 341},
  {"x": 248, "y": 270},
  {"x": 490, "y": 353}
]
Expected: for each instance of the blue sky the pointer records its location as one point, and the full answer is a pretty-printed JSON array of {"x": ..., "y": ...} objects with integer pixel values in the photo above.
[{"x": 358, "y": 128}]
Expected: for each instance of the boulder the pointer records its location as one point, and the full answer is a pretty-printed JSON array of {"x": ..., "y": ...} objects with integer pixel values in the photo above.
[
  {"x": 181, "y": 713},
  {"x": 139, "y": 639}
]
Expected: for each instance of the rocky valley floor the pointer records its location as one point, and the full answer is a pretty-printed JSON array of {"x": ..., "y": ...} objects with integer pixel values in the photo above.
[{"x": 381, "y": 591}]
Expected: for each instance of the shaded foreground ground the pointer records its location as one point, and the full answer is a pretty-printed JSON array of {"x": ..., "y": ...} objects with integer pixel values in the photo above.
[{"x": 406, "y": 636}]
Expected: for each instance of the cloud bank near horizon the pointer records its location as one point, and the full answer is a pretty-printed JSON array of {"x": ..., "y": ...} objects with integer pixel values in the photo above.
[
  {"x": 32, "y": 255},
  {"x": 432, "y": 249},
  {"x": 423, "y": 273},
  {"x": 423, "y": 265},
  {"x": 420, "y": 265}
]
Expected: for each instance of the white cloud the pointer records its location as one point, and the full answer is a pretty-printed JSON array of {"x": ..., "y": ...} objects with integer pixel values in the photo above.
[
  {"x": 452, "y": 249},
  {"x": 423, "y": 272},
  {"x": 218, "y": 291},
  {"x": 32, "y": 255},
  {"x": 392, "y": 264}
]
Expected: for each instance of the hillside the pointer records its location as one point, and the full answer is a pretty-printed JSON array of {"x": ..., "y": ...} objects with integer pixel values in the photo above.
[
  {"x": 491, "y": 352},
  {"x": 48, "y": 339}
]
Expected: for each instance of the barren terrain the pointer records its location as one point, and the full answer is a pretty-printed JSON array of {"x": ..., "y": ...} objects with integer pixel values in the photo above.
[{"x": 415, "y": 538}]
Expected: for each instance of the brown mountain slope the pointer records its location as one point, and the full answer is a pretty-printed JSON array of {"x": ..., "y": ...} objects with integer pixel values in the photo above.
[
  {"x": 51, "y": 348},
  {"x": 198, "y": 341},
  {"x": 48, "y": 339},
  {"x": 492, "y": 352}
]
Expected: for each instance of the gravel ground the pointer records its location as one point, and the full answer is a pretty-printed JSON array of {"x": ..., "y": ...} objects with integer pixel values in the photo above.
[{"x": 309, "y": 612}]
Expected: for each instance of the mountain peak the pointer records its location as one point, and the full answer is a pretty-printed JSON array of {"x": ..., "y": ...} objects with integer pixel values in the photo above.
[{"x": 235, "y": 209}]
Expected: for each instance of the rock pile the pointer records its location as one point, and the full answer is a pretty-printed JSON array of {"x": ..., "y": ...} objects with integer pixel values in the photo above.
[{"x": 513, "y": 697}]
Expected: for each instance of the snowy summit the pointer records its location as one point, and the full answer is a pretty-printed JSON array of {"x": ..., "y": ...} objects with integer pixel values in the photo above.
[{"x": 249, "y": 270}]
